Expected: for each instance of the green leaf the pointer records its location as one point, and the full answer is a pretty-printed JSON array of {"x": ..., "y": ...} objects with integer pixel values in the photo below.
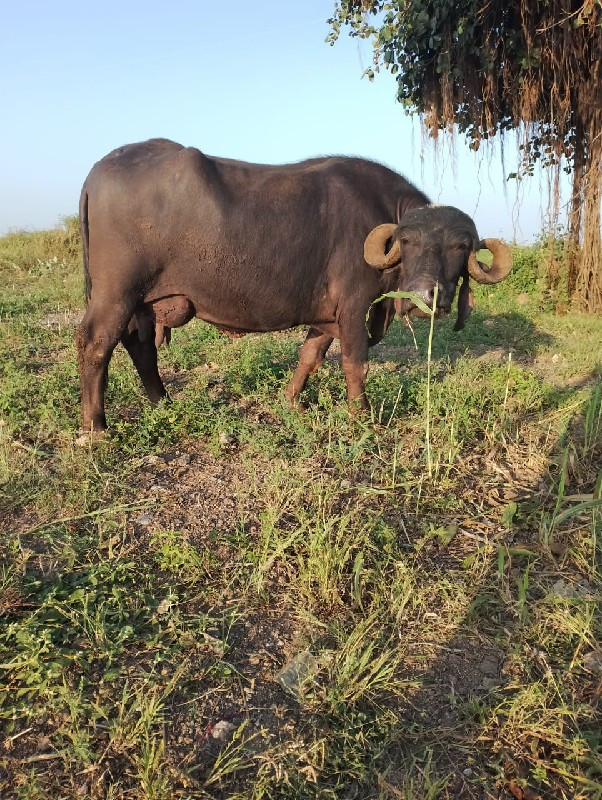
[
  {"x": 597, "y": 493},
  {"x": 508, "y": 515},
  {"x": 571, "y": 512},
  {"x": 415, "y": 298}
]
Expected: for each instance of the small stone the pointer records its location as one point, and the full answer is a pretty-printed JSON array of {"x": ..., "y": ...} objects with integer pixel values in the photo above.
[
  {"x": 298, "y": 671},
  {"x": 144, "y": 519},
  {"x": 563, "y": 589},
  {"x": 555, "y": 358},
  {"x": 490, "y": 683},
  {"x": 178, "y": 460},
  {"x": 489, "y": 666},
  {"x": 223, "y": 730},
  {"x": 558, "y": 549},
  {"x": 593, "y": 661},
  {"x": 560, "y": 588},
  {"x": 226, "y": 439},
  {"x": 467, "y": 772}
]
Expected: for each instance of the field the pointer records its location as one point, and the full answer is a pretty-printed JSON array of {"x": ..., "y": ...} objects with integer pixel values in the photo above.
[{"x": 229, "y": 599}]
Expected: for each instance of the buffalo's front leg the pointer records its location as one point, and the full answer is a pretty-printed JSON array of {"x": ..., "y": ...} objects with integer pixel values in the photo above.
[
  {"x": 97, "y": 336},
  {"x": 311, "y": 356},
  {"x": 354, "y": 360},
  {"x": 144, "y": 356}
]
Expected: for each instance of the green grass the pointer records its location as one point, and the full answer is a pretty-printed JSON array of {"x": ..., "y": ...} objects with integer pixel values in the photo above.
[{"x": 157, "y": 583}]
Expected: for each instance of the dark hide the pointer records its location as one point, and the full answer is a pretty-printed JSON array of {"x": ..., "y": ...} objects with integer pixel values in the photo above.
[{"x": 170, "y": 233}]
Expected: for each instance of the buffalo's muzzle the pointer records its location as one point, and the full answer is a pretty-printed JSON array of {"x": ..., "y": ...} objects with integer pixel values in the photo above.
[{"x": 425, "y": 293}]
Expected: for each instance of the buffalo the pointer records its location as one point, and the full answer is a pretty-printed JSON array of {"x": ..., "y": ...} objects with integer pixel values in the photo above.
[{"x": 170, "y": 233}]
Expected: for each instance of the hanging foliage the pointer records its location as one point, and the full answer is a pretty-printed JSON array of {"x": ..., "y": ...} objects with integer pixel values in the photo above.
[{"x": 487, "y": 68}]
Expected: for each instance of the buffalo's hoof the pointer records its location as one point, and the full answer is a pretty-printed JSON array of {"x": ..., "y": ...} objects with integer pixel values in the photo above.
[
  {"x": 294, "y": 404},
  {"x": 358, "y": 409},
  {"x": 154, "y": 400},
  {"x": 298, "y": 406},
  {"x": 88, "y": 438}
]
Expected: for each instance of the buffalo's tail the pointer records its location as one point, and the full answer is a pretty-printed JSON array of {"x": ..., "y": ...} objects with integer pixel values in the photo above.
[{"x": 83, "y": 222}]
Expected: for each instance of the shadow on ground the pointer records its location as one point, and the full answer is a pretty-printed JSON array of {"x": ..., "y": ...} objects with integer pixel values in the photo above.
[{"x": 501, "y": 333}]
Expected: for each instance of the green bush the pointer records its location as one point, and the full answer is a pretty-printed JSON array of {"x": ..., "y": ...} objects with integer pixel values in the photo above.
[{"x": 20, "y": 249}]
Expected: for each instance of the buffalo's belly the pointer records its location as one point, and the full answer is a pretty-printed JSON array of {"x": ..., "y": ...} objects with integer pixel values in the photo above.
[
  {"x": 240, "y": 306},
  {"x": 253, "y": 321}
]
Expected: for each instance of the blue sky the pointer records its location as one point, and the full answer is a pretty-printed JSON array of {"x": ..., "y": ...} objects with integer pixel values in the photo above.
[{"x": 254, "y": 81}]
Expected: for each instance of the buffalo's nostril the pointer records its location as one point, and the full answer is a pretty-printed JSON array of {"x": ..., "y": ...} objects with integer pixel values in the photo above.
[
  {"x": 442, "y": 298},
  {"x": 427, "y": 294}
]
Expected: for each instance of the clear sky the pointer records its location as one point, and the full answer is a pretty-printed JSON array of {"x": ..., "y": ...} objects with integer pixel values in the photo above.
[{"x": 247, "y": 80}]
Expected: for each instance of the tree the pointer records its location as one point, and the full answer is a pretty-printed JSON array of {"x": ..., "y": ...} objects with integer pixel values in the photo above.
[{"x": 489, "y": 68}]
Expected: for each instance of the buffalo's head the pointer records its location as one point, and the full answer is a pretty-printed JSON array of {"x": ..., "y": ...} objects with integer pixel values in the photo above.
[{"x": 436, "y": 246}]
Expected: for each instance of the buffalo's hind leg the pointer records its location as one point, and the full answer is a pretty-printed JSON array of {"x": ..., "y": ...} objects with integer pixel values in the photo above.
[
  {"x": 144, "y": 356},
  {"x": 311, "y": 357},
  {"x": 97, "y": 335}
]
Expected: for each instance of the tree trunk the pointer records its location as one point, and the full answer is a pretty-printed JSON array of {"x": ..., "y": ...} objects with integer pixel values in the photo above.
[
  {"x": 573, "y": 240},
  {"x": 588, "y": 280}
]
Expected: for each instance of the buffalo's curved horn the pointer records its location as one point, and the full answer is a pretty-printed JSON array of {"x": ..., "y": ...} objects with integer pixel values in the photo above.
[
  {"x": 502, "y": 263},
  {"x": 374, "y": 247}
]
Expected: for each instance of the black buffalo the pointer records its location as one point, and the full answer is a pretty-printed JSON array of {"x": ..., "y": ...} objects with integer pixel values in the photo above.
[{"x": 170, "y": 234}]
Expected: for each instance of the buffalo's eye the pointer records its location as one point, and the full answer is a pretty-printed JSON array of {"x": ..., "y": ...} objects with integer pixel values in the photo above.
[
  {"x": 403, "y": 240},
  {"x": 462, "y": 246}
]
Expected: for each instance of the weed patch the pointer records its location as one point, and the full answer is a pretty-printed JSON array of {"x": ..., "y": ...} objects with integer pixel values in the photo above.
[{"x": 229, "y": 599}]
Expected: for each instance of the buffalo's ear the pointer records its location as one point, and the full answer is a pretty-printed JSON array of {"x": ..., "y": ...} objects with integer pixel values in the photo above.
[{"x": 465, "y": 303}]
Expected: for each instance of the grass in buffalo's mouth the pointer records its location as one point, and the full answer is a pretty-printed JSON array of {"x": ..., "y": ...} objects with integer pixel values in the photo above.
[{"x": 228, "y": 599}]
